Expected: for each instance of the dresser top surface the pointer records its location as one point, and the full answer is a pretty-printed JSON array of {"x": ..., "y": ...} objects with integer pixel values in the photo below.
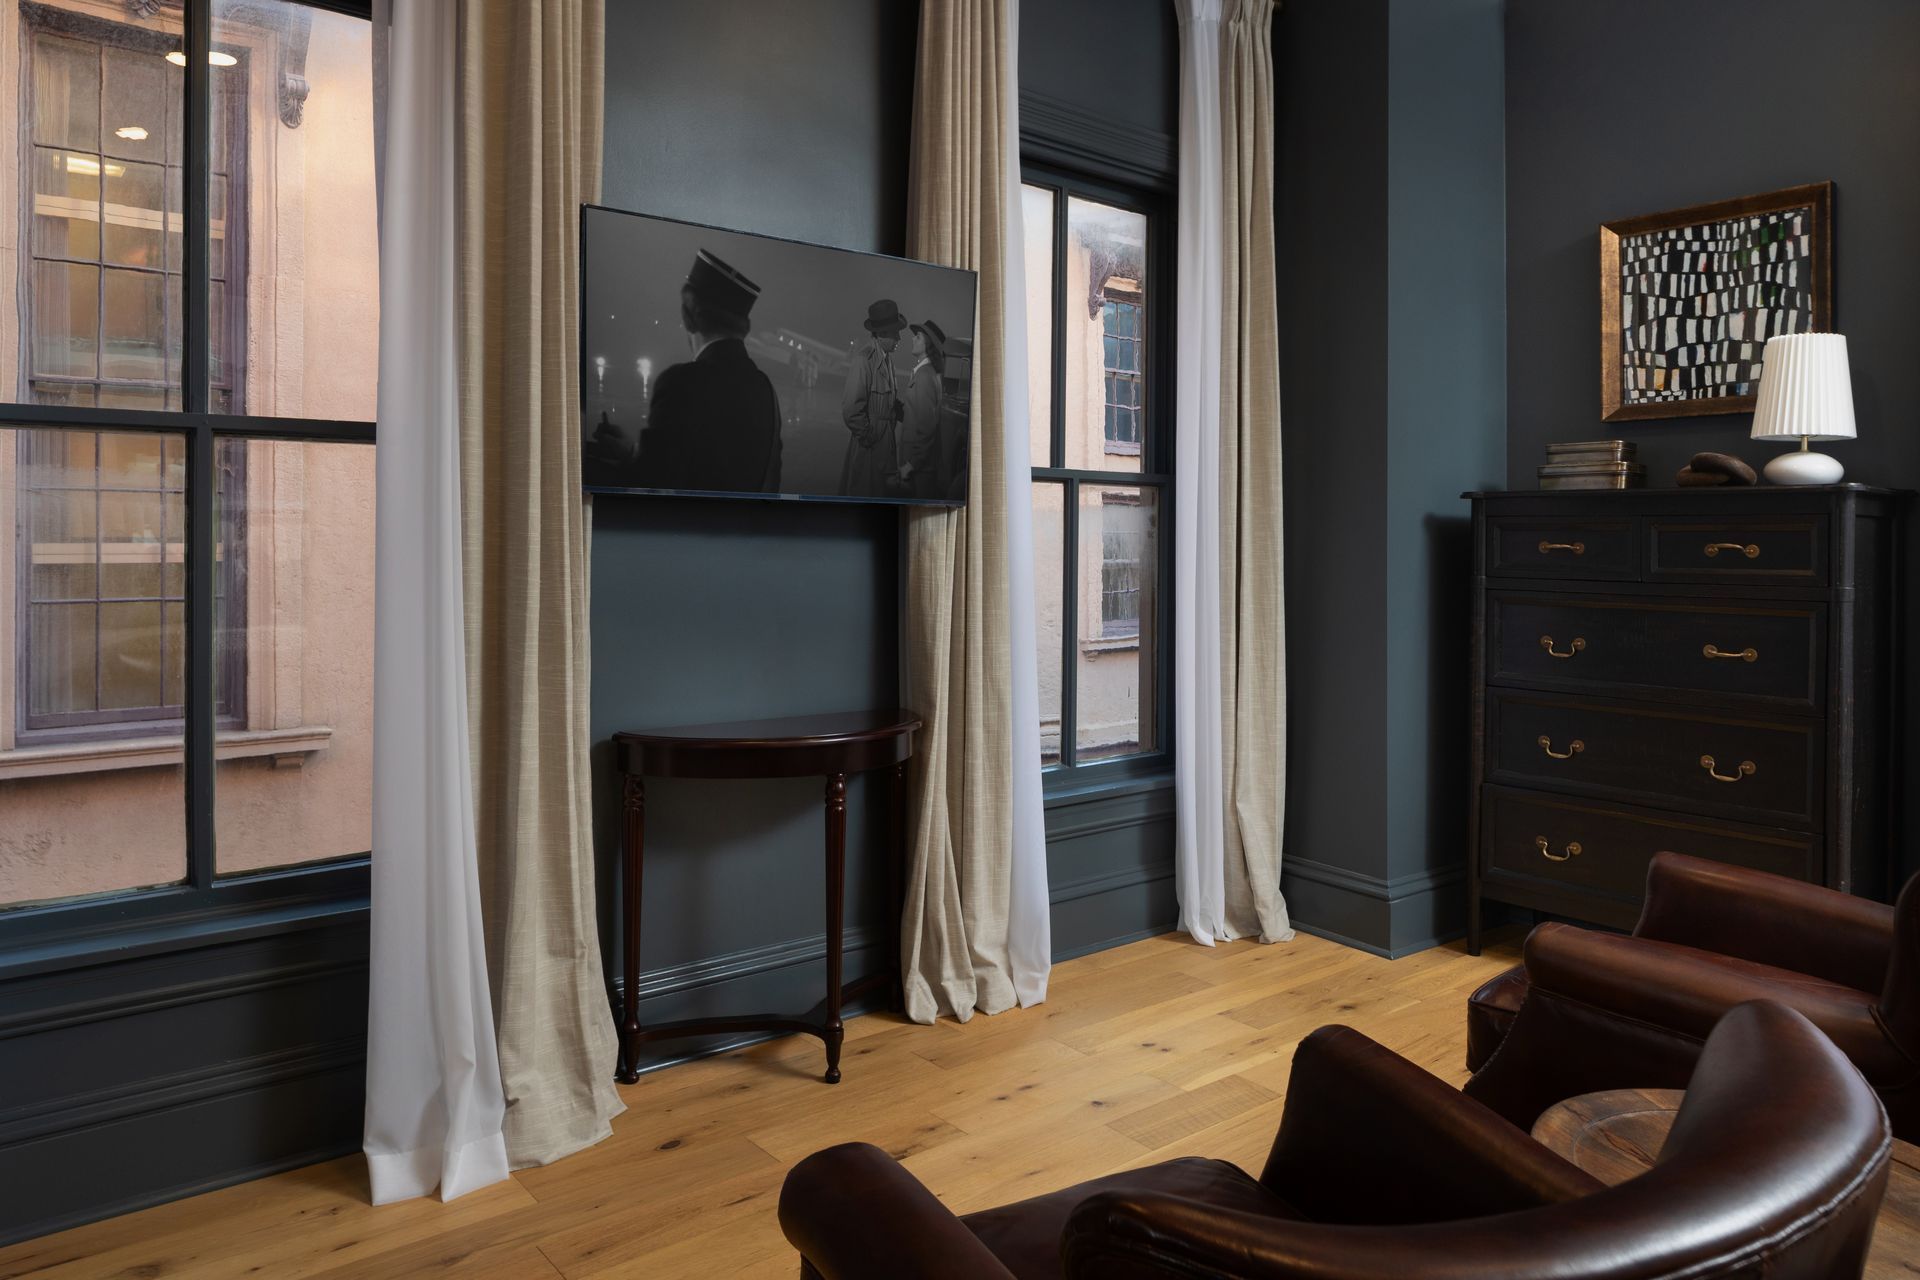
[{"x": 1710, "y": 493}]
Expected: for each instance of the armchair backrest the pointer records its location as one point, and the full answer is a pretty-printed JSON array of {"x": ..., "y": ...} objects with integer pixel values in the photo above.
[{"x": 1775, "y": 1167}]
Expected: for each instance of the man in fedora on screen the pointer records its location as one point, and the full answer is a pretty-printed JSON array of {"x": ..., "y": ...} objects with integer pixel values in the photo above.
[
  {"x": 870, "y": 406},
  {"x": 714, "y": 422}
]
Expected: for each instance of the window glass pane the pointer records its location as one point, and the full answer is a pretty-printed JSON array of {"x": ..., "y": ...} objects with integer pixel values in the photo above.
[
  {"x": 88, "y": 635},
  {"x": 105, "y": 96},
  {"x": 1105, "y": 333},
  {"x": 66, "y": 204},
  {"x": 1117, "y": 561},
  {"x": 133, "y": 322},
  {"x": 66, "y": 320},
  {"x": 294, "y": 231},
  {"x": 134, "y": 217},
  {"x": 295, "y": 781},
  {"x": 1037, "y": 213},
  {"x": 1049, "y": 564},
  {"x": 66, "y": 92}
]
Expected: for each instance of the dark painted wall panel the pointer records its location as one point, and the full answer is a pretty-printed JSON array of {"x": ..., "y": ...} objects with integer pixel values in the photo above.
[
  {"x": 1330, "y": 73},
  {"x": 1630, "y": 107}
]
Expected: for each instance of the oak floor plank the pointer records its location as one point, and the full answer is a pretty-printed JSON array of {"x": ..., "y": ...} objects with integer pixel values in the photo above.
[{"x": 1159, "y": 1049}]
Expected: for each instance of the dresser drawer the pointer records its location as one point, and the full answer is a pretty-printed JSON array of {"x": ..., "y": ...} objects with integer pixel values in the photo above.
[
  {"x": 1531, "y": 841},
  {"x": 1783, "y": 552},
  {"x": 1748, "y": 769},
  {"x": 1527, "y": 547},
  {"x": 1775, "y": 654}
]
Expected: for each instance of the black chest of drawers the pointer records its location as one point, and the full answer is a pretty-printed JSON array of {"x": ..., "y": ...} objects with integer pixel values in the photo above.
[{"x": 1715, "y": 672}]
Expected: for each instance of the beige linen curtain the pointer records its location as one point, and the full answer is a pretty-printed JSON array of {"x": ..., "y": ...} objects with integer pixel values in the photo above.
[
  {"x": 1252, "y": 625},
  {"x": 974, "y": 929},
  {"x": 531, "y": 75},
  {"x": 1230, "y": 644}
]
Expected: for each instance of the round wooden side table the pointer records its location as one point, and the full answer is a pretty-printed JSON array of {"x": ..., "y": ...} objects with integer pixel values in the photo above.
[{"x": 1618, "y": 1134}]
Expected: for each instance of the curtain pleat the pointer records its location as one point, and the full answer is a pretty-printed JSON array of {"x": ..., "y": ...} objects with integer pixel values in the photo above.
[
  {"x": 1229, "y": 645},
  {"x": 531, "y": 76},
  {"x": 975, "y": 931}
]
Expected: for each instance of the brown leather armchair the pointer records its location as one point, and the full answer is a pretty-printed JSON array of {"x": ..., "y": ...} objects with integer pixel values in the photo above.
[
  {"x": 1710, "y": 936},
  {"x": 1379, "y": 1169}
]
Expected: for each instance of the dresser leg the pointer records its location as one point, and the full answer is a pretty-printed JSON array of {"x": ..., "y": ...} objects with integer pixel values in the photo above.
[
  {"x": 836, "y": 910},
  {"x": 636, "y": 806}
]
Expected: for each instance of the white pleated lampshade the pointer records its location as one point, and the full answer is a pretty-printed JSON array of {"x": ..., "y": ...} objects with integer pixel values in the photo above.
[{"x": 1806, "y": 390}]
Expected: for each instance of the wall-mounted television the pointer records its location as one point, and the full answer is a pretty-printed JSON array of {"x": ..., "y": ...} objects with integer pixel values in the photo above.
[{"x": 721, "y": 363}]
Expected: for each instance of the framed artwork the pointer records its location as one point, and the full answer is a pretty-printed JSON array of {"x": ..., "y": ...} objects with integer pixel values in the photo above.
[{"x": 1689, "y": 298}]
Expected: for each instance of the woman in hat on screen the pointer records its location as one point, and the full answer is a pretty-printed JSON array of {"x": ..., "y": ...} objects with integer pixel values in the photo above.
[
  {"x": 921, "y": 474},
  {"x": 870, "y": 406}
]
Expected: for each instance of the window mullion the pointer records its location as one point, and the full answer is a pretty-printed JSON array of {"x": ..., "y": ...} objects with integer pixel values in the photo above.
[
  {"x": 1070, "y": 624},
  {"x": 202, "y": 551}
]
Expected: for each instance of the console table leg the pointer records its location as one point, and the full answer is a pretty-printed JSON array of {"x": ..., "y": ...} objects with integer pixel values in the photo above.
[
  {"x": 636, "y": 807},
  {"x": 836, "y": 909},
  {"x": 896, "y": 876}
]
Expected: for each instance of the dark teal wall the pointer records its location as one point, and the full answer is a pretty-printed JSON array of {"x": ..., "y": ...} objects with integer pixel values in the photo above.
[
  {"x": 1446, "y": 424},
  {"x": 1392, "y": 383},
  {"x": 1635, "y": 106},
  {"x": 795, "y": 121}
]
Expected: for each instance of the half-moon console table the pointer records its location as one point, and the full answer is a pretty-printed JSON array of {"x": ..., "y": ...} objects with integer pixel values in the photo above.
[{"x": 830, "y": 746}]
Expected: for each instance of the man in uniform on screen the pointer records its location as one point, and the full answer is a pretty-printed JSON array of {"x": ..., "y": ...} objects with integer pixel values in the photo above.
[{"x": 714, "y": 421}]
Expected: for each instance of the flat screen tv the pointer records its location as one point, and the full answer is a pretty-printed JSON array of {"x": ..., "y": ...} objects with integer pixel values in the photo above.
[{"x": 721, "y": 363}]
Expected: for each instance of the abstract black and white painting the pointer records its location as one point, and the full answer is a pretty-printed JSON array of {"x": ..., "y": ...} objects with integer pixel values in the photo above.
[
  {"x": 1689, "y": 299},
  {"x": 717, "y": 362}
]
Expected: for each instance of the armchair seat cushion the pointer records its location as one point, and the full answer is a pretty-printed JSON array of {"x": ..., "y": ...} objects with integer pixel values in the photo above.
[
  {"x": 1025, "y": 1236},
  {"x": 1490, "y": 1012}
]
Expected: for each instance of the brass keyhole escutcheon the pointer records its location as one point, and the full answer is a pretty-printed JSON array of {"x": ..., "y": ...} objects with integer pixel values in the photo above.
[
  {"x": 1579, "y": 643},
  {"x": 1745, "y": 769},
  {"x": 1574, "y": 748},
  {"x": 1546, "y": 850}
]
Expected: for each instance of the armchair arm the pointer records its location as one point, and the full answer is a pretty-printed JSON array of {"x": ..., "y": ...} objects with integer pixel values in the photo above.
[
  {"x": 1769, "y": 919},
  {"x": 1350, "y": 1102},
  {"x": 1900, "y": 998},
  {"x": 855, "y": 1214}
]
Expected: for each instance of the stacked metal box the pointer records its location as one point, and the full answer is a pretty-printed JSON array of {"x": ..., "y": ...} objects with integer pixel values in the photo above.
[{"x": 1592, "y": 464}]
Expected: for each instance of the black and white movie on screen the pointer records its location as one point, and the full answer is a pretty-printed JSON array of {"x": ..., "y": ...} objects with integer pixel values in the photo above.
[{"x": 717, "y": 362}]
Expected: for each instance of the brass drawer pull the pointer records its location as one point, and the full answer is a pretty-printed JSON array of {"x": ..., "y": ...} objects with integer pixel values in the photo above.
[
  {"x": 1578, "y": 548},
  {"x": 1748, "y": 654},
  {"x": 1579, "y": 643},
  {"x": 1746, "y": 770},
  {"x": 1573, "y": 850},
  {"x": 1747, "y": 549},
  {"x": 1574, "y": 748}
]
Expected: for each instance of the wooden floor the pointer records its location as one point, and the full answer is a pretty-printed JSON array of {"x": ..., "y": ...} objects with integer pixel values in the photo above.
[{"x": 1149, "y": 1051}]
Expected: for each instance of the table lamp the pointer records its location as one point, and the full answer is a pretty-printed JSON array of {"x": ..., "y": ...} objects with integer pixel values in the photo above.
[{"x": 1806, "y": 394}]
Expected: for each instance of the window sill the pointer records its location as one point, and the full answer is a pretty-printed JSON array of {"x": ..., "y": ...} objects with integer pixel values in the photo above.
[
  {"x": 1111, "y": 644},
  {"x": 286, "y": 748}
]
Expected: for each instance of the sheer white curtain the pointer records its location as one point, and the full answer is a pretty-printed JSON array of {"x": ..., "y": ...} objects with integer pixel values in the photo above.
[
  {"x": 1229, "y": 642},
  {"x": 1029, "y": 912},
  {"x": 435, "y": 1105}
]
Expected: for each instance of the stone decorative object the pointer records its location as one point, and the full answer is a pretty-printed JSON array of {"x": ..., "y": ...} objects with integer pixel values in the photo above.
[{"x": 1709, "y": 469}]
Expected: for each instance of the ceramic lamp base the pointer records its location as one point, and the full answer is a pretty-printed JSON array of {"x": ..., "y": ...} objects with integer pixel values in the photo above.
[{"x": 1804, "y": 467}]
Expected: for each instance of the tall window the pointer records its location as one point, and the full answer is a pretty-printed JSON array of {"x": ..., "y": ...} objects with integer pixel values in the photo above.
[
  {"x": 1099, "y": 470},
  {"x": 186, "y": 412}
]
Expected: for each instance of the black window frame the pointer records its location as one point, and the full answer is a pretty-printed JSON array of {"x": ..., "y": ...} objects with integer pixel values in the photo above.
[
  {"x": 1156, "y": 204},
  {"x": 42, "y": 937}
]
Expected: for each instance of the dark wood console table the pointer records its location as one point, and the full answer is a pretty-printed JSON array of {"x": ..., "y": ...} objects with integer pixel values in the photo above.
[{"x": 829, "y": 746}]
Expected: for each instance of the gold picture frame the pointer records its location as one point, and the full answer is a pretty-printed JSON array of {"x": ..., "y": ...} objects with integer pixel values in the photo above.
[{"x": 1771, "y": 223}]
